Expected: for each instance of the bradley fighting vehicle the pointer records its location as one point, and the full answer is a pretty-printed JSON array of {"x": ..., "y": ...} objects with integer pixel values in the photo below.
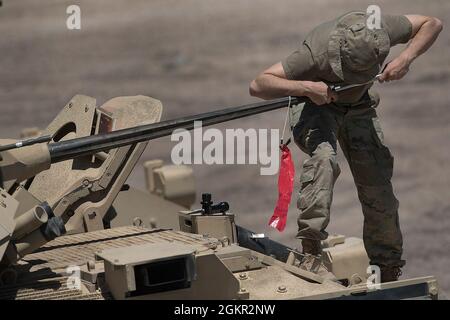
[{"x": 70, "y": 228}]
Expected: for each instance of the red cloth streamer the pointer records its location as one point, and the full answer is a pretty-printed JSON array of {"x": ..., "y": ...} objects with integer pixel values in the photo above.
[{"x": 285, "y": 188}]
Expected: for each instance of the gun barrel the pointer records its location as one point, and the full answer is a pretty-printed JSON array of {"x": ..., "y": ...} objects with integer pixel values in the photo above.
[
  {"x": 27, "y": 142},
  {"x": 69, "y": 149}
]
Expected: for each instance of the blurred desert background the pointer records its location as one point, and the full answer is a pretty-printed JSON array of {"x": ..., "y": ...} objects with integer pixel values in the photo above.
[{"x": 200, "y": 55}]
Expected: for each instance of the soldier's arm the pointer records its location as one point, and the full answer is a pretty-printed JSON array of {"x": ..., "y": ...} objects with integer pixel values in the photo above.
[
  {"x": 425, "y": 30},
  {"x": 273, "y": 83}
]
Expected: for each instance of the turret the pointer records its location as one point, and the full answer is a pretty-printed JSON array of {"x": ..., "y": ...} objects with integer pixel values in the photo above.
[{"x": 68, "y": 180}]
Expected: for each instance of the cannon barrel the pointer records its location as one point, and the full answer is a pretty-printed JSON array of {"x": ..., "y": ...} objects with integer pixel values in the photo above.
[{"x": 69, "y": 149}]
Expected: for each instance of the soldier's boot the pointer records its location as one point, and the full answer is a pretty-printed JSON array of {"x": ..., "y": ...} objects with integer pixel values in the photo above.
[
  {"x": 312, "y": 257},
  {"x": 390, "y": 273},
  {"x": 311, "y": 247}
]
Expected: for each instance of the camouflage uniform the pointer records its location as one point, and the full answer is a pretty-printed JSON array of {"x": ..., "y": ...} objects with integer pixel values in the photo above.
[{"x": 353, "y": 122}]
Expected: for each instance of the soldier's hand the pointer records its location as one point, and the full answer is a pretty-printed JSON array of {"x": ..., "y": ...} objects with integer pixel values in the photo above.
[
  {"x": 320, "y": 93},
  {"x": 395, "y": 70}
]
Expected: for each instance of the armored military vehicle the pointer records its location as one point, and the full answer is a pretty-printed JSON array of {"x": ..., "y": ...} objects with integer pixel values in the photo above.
[{"x": 70, "y": 228}]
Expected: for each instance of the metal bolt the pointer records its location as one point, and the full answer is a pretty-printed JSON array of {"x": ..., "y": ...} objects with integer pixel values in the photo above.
[
  {"x": 243, "y": 276},
  {"x": 137, "y": 222},
  {"x": 225, "y": 241},
  {"x": 153, "y": 223},
  {"x": 282, "y": 289},
  {"x": 90, "y": 265},
  {"x": 85, "y": 182}
]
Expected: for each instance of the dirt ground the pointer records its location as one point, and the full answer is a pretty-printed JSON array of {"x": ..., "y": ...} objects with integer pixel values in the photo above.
[{"x": 200, "y": 55}]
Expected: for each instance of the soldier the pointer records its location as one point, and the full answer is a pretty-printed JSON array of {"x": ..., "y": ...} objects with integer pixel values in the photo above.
[{"x": 340, "y": 52}]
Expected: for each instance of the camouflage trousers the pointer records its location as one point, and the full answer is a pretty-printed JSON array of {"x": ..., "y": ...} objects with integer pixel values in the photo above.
[{"x": 360, "y": 137}]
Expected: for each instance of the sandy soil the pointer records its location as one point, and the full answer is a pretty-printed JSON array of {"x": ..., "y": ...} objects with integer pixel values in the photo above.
[{"x": 197, "y": 56}]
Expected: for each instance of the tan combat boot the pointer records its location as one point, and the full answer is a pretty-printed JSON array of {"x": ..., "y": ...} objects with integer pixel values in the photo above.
[
  {"x": 311, "y": 247},
  {"x": 390, "y": 273},
  {"x": 312, "y": 257}
]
